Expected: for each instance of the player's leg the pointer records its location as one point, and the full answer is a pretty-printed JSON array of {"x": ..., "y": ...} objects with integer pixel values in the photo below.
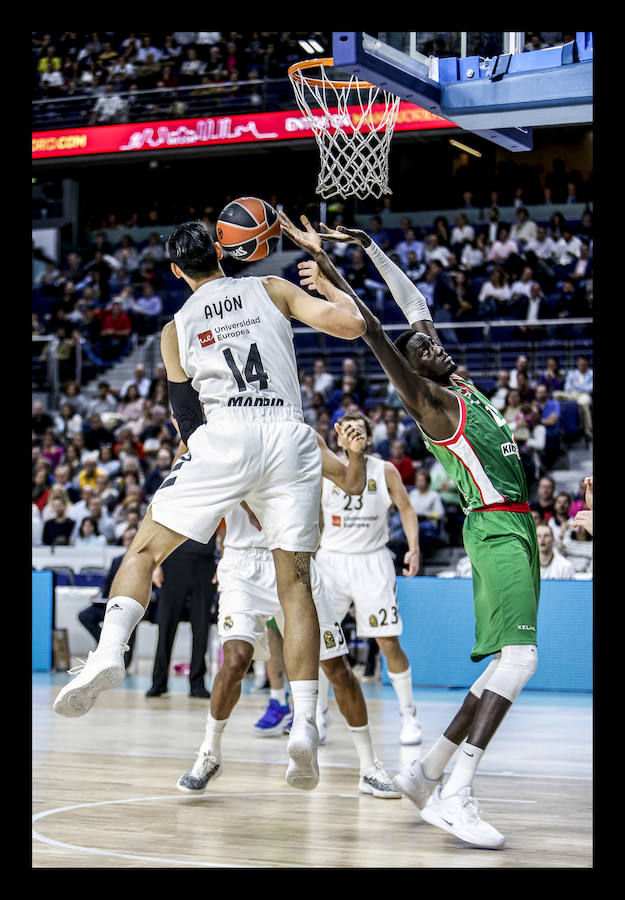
[
  {"x": 506, "y": 583},
  {"x": 278, "y": 715},
  {"x": 224, "y": 697},
  {"x": 418, "y": 780},
  {"x": 286, "y": 502},
  {"x": 301, "y": 658},
  {"x": 400, "y": 673},
  {"x": 351, "y": 703},
  {"x": 374, "y": 592},
  {"x": 128, "y": 599}
]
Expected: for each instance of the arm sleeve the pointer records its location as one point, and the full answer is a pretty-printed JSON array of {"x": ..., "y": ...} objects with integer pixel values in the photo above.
[
  {"x": 185, "y": 402},
  {"x": 407, "y": 296}
]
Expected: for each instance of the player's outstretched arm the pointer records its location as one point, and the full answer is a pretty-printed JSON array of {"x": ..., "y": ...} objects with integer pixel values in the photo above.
[
  {"x": 351, "y": 476},
  {"x": 409, "y": 521},
  {"x": 407, "y": 296},
  {"x": 413, "y": 390}
]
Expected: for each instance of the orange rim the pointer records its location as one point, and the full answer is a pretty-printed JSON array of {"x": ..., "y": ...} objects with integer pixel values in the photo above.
[{"x": 319, "y": 82}]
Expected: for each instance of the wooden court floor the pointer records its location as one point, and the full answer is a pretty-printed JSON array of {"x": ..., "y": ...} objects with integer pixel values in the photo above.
[{"x": 104, "y": 788}]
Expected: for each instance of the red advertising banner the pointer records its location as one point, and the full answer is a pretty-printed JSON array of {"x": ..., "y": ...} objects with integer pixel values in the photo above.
[{"x": 203, "y": 132}]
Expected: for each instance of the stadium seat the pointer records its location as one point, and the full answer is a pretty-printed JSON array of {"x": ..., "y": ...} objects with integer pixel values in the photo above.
[
  {"x": 62, "y": 576},
  {"x": 570, "y": 421},
  {"x": 89, "y": 579}
]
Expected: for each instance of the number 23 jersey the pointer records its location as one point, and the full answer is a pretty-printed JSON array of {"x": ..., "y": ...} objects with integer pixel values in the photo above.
[
  {"x": 237, "y": 347},
  {"x": 356, "y": 523}
]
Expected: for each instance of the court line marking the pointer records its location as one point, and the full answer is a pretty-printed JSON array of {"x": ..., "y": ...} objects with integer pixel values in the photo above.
[
  {"x": 204, "y": 796},
  {"x": 277, "y": 762},
  {"x": 98, "y": 851}
]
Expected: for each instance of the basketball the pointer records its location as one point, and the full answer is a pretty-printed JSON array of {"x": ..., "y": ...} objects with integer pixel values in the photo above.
[{"x": 248, "y": 229}]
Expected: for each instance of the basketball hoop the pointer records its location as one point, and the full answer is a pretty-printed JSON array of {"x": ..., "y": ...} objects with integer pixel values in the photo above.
[{"x": 353, "y": 123}]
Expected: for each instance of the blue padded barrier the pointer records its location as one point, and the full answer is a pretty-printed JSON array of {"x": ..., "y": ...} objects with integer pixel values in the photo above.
[{"x": 439, "y": 630}]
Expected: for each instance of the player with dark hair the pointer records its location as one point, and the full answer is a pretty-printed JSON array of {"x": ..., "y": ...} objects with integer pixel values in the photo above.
[
  {"x": 230, "y": 358},
  {"x": 474, "y": 443}
]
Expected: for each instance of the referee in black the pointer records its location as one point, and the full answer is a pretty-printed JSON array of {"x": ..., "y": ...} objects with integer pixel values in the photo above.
[{"x": 187, "y": 594}]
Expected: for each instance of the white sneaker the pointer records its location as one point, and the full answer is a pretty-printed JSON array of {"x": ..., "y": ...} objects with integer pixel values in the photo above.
[
  {"x": 205, "y": 768},
  {"x": 103, "y": 670},
  {"x": 377, "y": 781},
  {"x": 413, "y": 784},
  {"x": 410, "y": 728},
  {"x": 323, "y": 719},
  {"x": 459, "y": 815},
  {"x": 303, "y": 770}
]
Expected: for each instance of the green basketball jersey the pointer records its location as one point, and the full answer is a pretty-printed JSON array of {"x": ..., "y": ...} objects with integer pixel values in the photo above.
[{"x": 482, "y": 457}]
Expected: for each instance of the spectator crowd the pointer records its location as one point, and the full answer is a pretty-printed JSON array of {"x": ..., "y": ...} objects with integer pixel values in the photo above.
[{"x": 114, "y": 67}]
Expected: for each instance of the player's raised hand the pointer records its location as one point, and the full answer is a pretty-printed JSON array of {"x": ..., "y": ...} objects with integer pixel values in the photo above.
[
  {"x": 343, "y": 235},
  {"x": 308, "y": 239},
  {"x": 584, "y": 519},
  {"x": 311, "y": 276},
  {"x": 411, "y": 560},
  {"x": 354, "y": 438}
]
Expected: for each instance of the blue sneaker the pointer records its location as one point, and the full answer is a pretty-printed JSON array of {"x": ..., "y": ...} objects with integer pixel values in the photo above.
[{"x": 274, "y": 720}]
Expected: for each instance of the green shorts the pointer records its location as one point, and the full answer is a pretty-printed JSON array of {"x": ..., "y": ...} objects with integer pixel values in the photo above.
[
  {"x": 503, "y": 550},
  {"x": 271, "y": 623}
]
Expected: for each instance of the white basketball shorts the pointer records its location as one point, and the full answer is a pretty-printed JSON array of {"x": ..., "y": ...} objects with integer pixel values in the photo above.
[
  {"x": 368, "y": 581},
  {"x": 271, "y": 461},
  {"x": 248, "y": 596}
]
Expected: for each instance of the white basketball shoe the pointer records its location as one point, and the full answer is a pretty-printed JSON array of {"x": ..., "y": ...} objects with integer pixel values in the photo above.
[
  {"x": 375, "y": 780},
  {"x": 460, "y": 816},
  {"x": 303, "y": 769},
  {"x": 410, "y": 728},
  {"x": 412, "y": 783},
  {"x": 205, "y": 768},
  {"x": 103, "y": 670}
]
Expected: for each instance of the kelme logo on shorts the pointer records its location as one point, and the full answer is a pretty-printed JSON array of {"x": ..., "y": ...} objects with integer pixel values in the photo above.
[
  {"x": 228, "y": 623},
  {"x": 526, "y": 628},
  {"x": 373, "y": 621},
  {"x": 206, "y": 338},
  {"x": 328, "y": 638}
]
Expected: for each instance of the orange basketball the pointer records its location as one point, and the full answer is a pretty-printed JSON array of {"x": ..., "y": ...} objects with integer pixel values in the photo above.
[{"x": 248, "y": 229}]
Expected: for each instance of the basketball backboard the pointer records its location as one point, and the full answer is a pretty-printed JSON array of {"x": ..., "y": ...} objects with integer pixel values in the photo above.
[{"x": 483, "y": 82}]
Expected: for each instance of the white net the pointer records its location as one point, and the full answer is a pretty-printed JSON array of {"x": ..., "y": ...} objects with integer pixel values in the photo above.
[{"x": 353, "y": 124}]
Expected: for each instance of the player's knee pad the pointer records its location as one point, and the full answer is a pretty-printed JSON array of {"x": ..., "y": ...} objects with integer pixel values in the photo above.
[
  {"x": 515, "y": 668},
  {"x": 480, "y": 683}
]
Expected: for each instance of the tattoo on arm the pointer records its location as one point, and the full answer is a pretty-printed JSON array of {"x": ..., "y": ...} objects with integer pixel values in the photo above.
[{"x": 302, "y": 567}]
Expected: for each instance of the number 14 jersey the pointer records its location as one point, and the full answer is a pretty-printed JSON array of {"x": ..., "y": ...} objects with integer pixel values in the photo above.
[
  {"x": 356, "y": 523},
  {"x": 237, "y": 347}
]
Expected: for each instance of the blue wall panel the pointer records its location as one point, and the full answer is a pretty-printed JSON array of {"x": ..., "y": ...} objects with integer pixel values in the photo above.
[
  {"x": 439, "y": 630},
  {"x": 42, "y": 597}
]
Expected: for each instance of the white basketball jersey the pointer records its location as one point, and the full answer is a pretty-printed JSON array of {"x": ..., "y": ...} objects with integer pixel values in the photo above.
[
  {"x": 240, "y": 533},
  {"x": 237, "y": 347},
  {"x": 356, "y": 523}
]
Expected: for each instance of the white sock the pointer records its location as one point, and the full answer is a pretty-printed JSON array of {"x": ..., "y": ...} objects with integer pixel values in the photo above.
[
  {"x": 212, "y": 736},
  {"x": 324, "y": 688},
  {"x": 435, "y": 760},
  {"x": 279, "y": 695},
  {"x": 364, "y": 746},
  {"x": 122, "y": 616},
  {"x": 305, "y": 695},
  {"x": 464, "y": 770},
  {"x": 402, "y": 682}
]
